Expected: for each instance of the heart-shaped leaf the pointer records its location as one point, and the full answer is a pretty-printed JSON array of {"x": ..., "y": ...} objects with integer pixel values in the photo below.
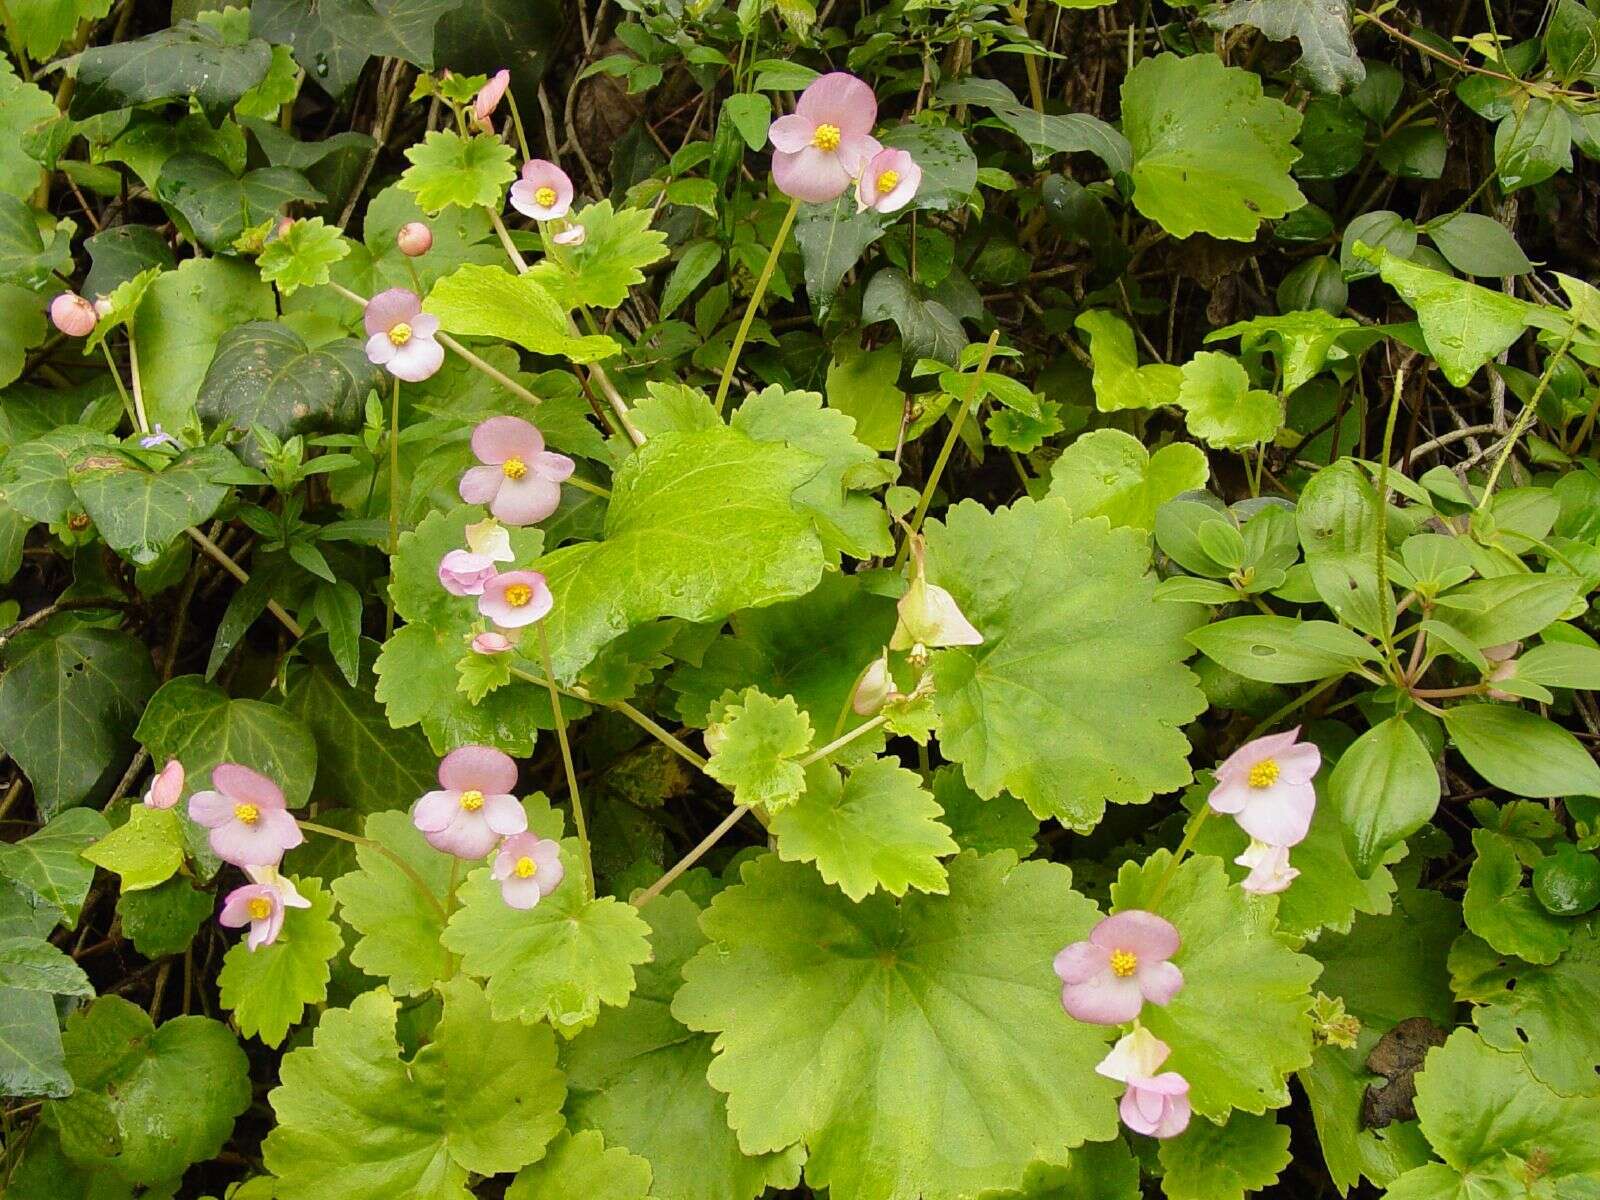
[
  {"x": 139, "y": 511},
  {"x": 220, "y": 206}
]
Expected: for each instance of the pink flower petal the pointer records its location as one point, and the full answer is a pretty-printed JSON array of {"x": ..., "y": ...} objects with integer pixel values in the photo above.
[
  {"x": 504, "y": 815},
  {"x": 235, "y": 912},
  {"x": 1279, "y": 815},
  {"x": 387, "y": 309},
  {"x": 839, "y": 99},
  {"x": 494, "y": 604},
  {"x": 210, "y": 809},
  {"x": 1132, "y": 1117},
  {"x": 1299, "y": 763},
  {"x": 166, "y": 789},
  {"x": 417, "y": 360},
  {"x": 1159, "y": 981},
  {"x": 435, "y": 810},
  {"x": 246, "y": 786},
  {"x": 479, "y": 484},
  {"x": 547, "y": 464},
  {"x": 501, "y": 438},
  {"x": 1252, "y": 752},
  {"x": 526, "y": 501},
  {"x": 379, "y": 349},
  {"x": 521, "y": 893},
  {"x": 425, "y": 325},
  {"x": 463, "y": 573},
  {"x": 1176, "y": 1118},
  {"x": 488, "y": 97},
  {"x": 811, "y": 174},
  {"x": 1231, "y": 794},
  {"x": 1148, "y": 936},
  {"x": 855, "y": 152},
  {"x": 246, "y": 845},
  {"x": 1103, "y": 1000},
  {"x": 467, "y": 836},
  {"x": 791, "y": 134},
  {"x": 483, "y": 768},
  {"x": 1081, "y": 962}
]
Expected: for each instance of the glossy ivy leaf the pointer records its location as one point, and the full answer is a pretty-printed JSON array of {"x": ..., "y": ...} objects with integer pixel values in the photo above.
[
  {"x": 836, "y": 1021},
  {"x": 1109, "y": 473},
  {"x": 1232, "y": 961},
  {"x": 928, "y": 328},
  {"x": 1502, "y": 911},
  {"x": 557, "y": 962},
  {"x": 31, "y": 964},
  {"x": 164, "y": 919},
  {"x": 450, "y": 170},
  {"x": 583, "y": 1165},
  {"x": 1304, "y": 343},
  {"x": 268, "y": 989},
  {"x": 33, "y": 475},
  {"x": 26, "y": 259},
  {"x": 145, "y": 850},
  {"x": 755, "y": 742},
  {"x": 1119, "y": 381},
  {"x": 147, "y": 1102},
  {"x": 875, "y": 826},
  {"x": 69, "y": 697},
  {"x": 333, "y": 40},
  {"x": 200, "y": 725},
  {"x": 1525, "y": 754},
  {"x": 1327, "y": 50},
  {"x": 1533, "y": 143},
  {"x": 186, "y": 60},
  {"x": 620, "y": 1069},
  {"x": 1385, "y": 787},
  {"x": 220, "y": 206},
  {"x": 1221, "y": 408},
  {"x": 1078, "y": 694},
  {"x": 832, "y": 238},
  {"x": 48, "y": 866},
  {"x": 699, "y": 525},
  {"x": 1223, "y": 1162},
  {"x": 482, "y": 301},
  {"x": 32, "y": 1062},
  {"x": 357, "y": 1121},
  {"x": 139, "y": 511},
  {"x": 1045, "y": 134},
  {"x": 1497, "y": 1128},
  {"x": 302, "y": 255},
  {"x": 1211, "y": 153},
  {"x": 618, "y": 244},
  {"x": 399, "y": 926}
]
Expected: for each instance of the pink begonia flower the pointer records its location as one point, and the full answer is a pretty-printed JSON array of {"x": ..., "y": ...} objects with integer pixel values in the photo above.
[
  {"x": 464, "y": 573},
  {"x": 544, "y": 192},
  {"x": 888, "y": 183},
  {"x": 827, "y": 141},
  {"x": 261, "y": 904},
  {"x": 414, "y": 239},
  {"x": 1265, "y": 785},
  {"x": 1107, "y": 979},
  {"x": 528, "y": 868},
  {"x": 474, "y": 807},
  {"x": 572, "y": 235},
  {"x": 166, "y": 789},
  {"x": 73, "y": 315},
  {"x": 1270, "y": 871},
  {"x": 249, "y": 822},
  {"x": 515, "y": 599},
  {"x": 491, "y": 643},
  {"x": 520, "y": 480},
  {"x": 1154, "y": 1104},
  {"x": 400, "y": 336},
  {"x": 488, "y": 98}
]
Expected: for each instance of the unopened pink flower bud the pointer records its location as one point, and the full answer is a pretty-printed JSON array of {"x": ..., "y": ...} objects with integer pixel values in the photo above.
[
  {"x": 284, "y": 226},
  {"x": 873, "y": 688},
  {"x": 73, "y": 315},
  {"x": 414, "y": 239}
]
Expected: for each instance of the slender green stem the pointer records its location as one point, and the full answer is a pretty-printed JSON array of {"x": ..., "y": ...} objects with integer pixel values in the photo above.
[
  {"x": 127, "y": 401},
  {"x": 755, "y": 302},
  {"x": 1189, "y": 836},
  {"x": 406, "y": 868},
  {"x": 1382, "y": 552},
  {"x": 566, "y": 755},
  {"x": 839, "y": 743},
  {"x": 1529, "y": 412},
  {"x": 1298, "y": 702},
  {"x": 689, "y": 859},
  {"x": 516, "y": 121},
  {"x": 394, "y": 501},
  {"x": 138, "y": 389}
]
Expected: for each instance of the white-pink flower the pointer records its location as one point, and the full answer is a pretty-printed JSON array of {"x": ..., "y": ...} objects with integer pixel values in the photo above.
[
  {"x": 1270, "y": 871},
  {"x": 488, "y": 97},
  {"x": 544, "y": 192},
  {"x": 400, "y": 336},
  {"x": 889, "y": 181},
  {"x": 572, "y": 235},
  {"x": 519, "y": 480},
  {"x": 249, "y": 822},
  {"x": 166, "y": 788},
  {"x": 261, "y": 905},
  {"x": 491, "y": 642},
  {"x": 474, "y": 807},
  {"x": 1154, "y": 1104},
  {"x": 515, "y": 599},
  {"x": 1107, "y": 979},
  {"x": 827, "y": 141},
  {"x": 1265, "y": 785},
  {"x": 464, "y": 573},
  {"x": 73, "y": 315},
  {"x": 528, "y": 868}
]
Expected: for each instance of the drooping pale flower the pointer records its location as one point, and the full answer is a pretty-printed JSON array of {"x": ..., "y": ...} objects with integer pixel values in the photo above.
[
  {"x": 519, "y": 480},
  {"x": 488, "y": 97},
  {"x": 464, "y": 573},
  {"x": 827, "y": 141},
  {"x": 400, "y": 336},
  {"x": 1265, "y": 785},
  {"x": 250, "y": 824},
  {"x": 1502, "y": 666},
  {"x": 474, "y": 807},
  {"x": 889, "y": 181},
  {"x": 73, "y": 315},
  {"x": 491, "y": 642},
  {"x": 159, "y": 437},
  {"x": 261, "y": 904},
  {"x": 1154, "y": 1104},
  {"x": 929, "y": 615},
  {"x": 544, "y": 192},
  {"x": 489, "y": 538},
  {"x": 1270, "y": 871},
  {"x": 572, "y": 235},
  {"x": 166, "y": 788},
  {"x": 873, "y": 688},
  {"x": 528, "y": 868},
  {"x": 414, "y": 239},
  {"x": 1107, "y": 979},
  {"x": 515, "y": 599}
]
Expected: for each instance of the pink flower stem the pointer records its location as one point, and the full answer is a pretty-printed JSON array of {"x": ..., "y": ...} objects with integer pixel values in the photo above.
[
  {"x": 133, "y": 374},
  {"x": 406, "y": 868},
  {"x": 566, "y": 758},
  {"x": 516, "y": 123},
  {"x": 755, "y": 302},
  {"x": 839, "y": 743},
  {"x": 127, "y": 402},
  {"x": 689, "y": 859},
  {"x": 1187, "y": 844},
  {"x": 394, "y": 501}
]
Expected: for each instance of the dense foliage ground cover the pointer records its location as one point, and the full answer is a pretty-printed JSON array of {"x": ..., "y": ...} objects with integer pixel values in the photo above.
[{"x": 694, "y": 600}]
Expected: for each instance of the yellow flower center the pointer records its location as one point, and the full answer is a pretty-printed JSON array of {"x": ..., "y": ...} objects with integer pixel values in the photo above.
[
  {"x": 887, "y": 182},
  {"x": 399, "y": 334},
  {"x": 260, "y": 908},
  {"x": 1124, "y": 963},
  {"x": 472, "y": 799},
  {"x": 518, "y": 594},
  {"x": 1264, "y": 774},
  {"x": 514, "y": 468},
  {"x": 248, "y": 813},
  {"x": 826, "y": 137},
  {"x": 526, "y": 868},
  {"x": 545, "y": 197}
]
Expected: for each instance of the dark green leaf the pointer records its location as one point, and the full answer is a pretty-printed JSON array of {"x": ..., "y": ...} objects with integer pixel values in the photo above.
[
  {"x": 139, "y": 511},
  {"x": 219, "y": 206},
  {"x": 186, "y": 60}
]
